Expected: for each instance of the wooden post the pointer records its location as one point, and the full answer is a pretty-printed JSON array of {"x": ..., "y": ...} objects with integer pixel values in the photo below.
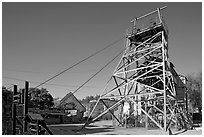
[
  {"x": 25, "y": 105},
  {"x": 14, "y": 112}
]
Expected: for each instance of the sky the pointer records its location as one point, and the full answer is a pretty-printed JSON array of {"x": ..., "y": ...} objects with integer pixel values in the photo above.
[{"x": 39, "y": 40}]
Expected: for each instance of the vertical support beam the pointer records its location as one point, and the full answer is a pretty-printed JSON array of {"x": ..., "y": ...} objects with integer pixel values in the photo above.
[
  {"x": 146, "y": 117},
  {"x": 159, "y": 15},
  {"x": 136, "y": 103},
  {"x": 38, "y": 128},
  {"x": 125, "y": 120},
  {"x": 134, "y": 25},
  {"x": 14, "y": 112},
  {"x": 186, "y": 102},
  {"x": 25, "y": 105},
  {"x": 164, "y": 80},
  {"x": 125, "y": 81}
]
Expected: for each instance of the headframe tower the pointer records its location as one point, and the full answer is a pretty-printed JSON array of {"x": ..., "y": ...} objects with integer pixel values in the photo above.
[{"x": 145, "y": 81}]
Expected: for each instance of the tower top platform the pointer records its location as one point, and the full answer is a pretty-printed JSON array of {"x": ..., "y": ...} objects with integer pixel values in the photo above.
[{"x": 147, "y": 25}]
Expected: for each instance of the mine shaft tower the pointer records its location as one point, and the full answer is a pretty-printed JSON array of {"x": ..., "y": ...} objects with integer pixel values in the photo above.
[{"x": 145, "y": 81}]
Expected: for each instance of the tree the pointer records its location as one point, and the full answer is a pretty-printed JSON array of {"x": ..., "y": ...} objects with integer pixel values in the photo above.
[
  {"x": 40, "y": 98},
  {"x": 89, "y": 98},
  {"x": 194, "y": 87},
  {"x": 7, "y": 96},
  {"x": 7, "y": 100}
]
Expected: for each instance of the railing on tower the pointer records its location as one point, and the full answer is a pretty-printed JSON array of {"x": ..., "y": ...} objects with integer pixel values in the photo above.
[{"x": 147, "y": 21}]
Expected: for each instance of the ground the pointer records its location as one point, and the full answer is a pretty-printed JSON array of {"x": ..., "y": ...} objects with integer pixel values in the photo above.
[{"x": 105, "y": 128}]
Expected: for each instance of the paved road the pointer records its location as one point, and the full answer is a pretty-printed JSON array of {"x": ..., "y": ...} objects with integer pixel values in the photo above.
[{"x": 105, "y": 128}]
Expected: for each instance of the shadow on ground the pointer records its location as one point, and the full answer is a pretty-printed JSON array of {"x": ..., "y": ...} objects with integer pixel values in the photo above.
[{"x": 75, "y": 130}]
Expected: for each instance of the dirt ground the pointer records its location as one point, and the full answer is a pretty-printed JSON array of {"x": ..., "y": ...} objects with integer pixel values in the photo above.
[{"x": 105, "y": 128}]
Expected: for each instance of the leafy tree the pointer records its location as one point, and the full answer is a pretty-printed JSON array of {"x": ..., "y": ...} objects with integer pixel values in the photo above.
[
  {"x": 7, "y": 96},
  {"x": 194, "y": 87},
  {"x": 89, "y": 98},
  {"x": 40, "y": 98}
]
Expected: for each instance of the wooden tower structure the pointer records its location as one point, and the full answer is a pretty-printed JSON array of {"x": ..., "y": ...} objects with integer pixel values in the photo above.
[{"x": 145, "y": 83}]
